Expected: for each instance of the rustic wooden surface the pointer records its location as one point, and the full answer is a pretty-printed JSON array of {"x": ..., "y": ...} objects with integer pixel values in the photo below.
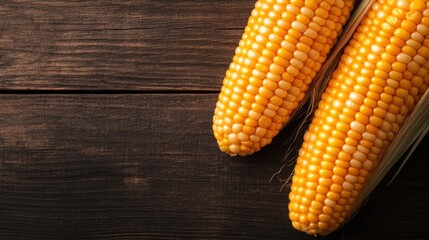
[
  {"x": 117, "y": 44},
  {"x": 105, "y": 131}
]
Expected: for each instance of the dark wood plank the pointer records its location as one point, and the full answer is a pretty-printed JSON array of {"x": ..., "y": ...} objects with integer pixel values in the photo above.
[
  {"x": 118, "y": 45},
  {"x": 147, "y": 167}
]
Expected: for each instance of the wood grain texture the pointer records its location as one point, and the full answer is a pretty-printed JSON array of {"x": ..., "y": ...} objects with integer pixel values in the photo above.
[
  {"x": 147, "y": 167},
  {"x": 152, "y": 45}
]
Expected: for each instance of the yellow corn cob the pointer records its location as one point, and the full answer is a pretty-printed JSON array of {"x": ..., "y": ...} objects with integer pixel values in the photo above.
[
  {"x": 282, "y": 48},
  {"x": 381, "y": 76}
]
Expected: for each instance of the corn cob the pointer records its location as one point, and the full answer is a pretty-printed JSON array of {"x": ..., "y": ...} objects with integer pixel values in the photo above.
[
  {"x": 281, "y": 50},
  {"x": 381, "y": 76}
]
